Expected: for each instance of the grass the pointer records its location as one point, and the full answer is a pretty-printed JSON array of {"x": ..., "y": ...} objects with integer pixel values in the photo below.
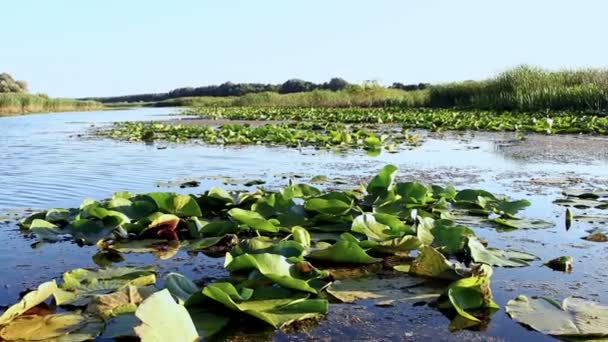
[
  {"x": 523, "y": 88},
  {"x": 18, "y": 103},
  {"x": 528, "y": 88},
  {"x": 355, "y": 96}
]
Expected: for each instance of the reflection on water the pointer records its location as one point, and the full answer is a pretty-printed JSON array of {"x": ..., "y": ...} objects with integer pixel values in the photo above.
[{"x": 46, "y": 164}]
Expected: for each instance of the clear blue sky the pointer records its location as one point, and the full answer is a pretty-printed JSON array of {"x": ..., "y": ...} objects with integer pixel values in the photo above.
[{"x": 113, "y": 47}]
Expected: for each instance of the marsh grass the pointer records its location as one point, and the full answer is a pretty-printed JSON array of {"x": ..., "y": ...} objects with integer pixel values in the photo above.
[
  {"x": 528, "y": 88},
  {"x": 523, "y": 88},
  {"x": 18, "y": 103},
  {"x": 355, "y": 96}
]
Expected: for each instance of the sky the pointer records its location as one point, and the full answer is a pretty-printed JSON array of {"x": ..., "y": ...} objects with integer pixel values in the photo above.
[{"x": 77, "y": 48}]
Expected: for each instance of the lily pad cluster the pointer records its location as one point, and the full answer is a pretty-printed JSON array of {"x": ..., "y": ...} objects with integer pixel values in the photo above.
[
  {"x": 289, "y": 253},
  {"x": 435, "y": 119},
  {"x": 586, "y": 206},
  {"x": 327, "y": 135}
]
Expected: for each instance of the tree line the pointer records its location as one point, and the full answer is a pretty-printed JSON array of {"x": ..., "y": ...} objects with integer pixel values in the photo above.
[
  {"x": 9, "y": 85},
  {"x": 240, "y": 89}
]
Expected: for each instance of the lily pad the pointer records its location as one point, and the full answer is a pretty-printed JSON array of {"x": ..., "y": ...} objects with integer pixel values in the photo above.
[
  {"x": 275, "y": 306},
  {"x": 472, "y": 293},
  {"x": 253, "y": 220},
  {"x": 180, "y": 205},
  {"x": 383, "y": 290},
  {"x": 180, "y": 286},
  {"x": 498, "y": 257},
  {"x": 345, "y": 252},
  {"x": 573, "y": 318},
  {"x": 164, "y": 320},
  {"x": 81, "y": 285},
  {"x": 273, "y": 266},
  {"x": 431, "y": 263},
  {"x": 563, "y": 264},
  {"x": 66, "y": 326},
  {"x": 30, "y": 300},
  {"x": 123, "y": 301}
]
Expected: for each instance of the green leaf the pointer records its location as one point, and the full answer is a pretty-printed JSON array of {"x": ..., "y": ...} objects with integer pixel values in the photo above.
[
  {"x": 383, "y": 181},
  {"x": 333, "y": 203},
  {"x": 164, "y": 320},
  {"x": 563, "y": 263},
  {"x": 273, "y": 266},
  {"x": 511, "y": 208},
  {"x": 180, "y": 287},
  {"x": 288, "y": 248},
  {"x": 221, "y": 195},
  {"x": 253, "y": 220},
  {"x": 301, "y": 236},
  {"x": 471, "y": 293},
  {"x": 46, "y": 231},
  {"x": 574, "y": 318},
  {"x": 497, "y": 257},
  {"x": 275, "y": 306},
  {"x": 207, "y": 323},
  {"x": 451, "y": 238},
  {"x": 343, "y": 252},
  {"x": 88, "y": 231},
  {"x": 413, "y": 193},
  {"x": 26, "y": 222},
  {"x": 431, "y": 263},
  {"x": 57, "y": 215},
  {"x": 180, "y": 205}
]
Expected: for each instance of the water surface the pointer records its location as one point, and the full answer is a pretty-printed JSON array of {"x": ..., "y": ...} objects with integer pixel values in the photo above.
[{"x": 48, "y": 160}]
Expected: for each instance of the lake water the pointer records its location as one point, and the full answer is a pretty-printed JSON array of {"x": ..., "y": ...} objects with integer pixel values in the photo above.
[{"x": 49, "y": 160}]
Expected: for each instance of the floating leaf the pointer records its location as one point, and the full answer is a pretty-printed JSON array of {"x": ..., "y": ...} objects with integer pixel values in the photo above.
[
  {"x": 472, "y": 293},
  {"x": 563, "y": 263},
  {"x": 46, "y": 231},
  {"x": 275, "y": 306},
  {"x": 63, "y": 326},
  {"x": 123, "y": 301},
  {"x": 164, "y": 320},
  {"x": 498, "y": 257},
  {"x": 382, "y": 290},
  {"x": 333, "y": 203},
  {"x": 345, "y": 252},
  {"x": 253, "y": 220},
  {"x": 273, "y": 266},
  {"x": 574, "y": 318},
  {"x": 383, "y": 181},
  {"x": 30, "y": 300},
  {"x": 180, "y": 287},
  {"x": 431, "y": 263},
  {"x": 80, "y": 285},
  {"x": 450, "y": 237},
  {"x": 180, "y": 205}
]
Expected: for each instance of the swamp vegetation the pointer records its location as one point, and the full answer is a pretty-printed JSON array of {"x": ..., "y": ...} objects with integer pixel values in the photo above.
[{"x": 290, "y": 254}]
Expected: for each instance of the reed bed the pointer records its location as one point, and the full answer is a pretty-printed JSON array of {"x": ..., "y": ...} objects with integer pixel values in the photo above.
[{"x": 19, "y": 103}]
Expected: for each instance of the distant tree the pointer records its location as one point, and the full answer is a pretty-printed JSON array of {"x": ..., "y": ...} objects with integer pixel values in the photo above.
[
  {"x": 335, "y": 84},
  {"x": 296, "y": 86},
  {"x": 10, "y": 85},
  {"x": 410, "y": 87}
]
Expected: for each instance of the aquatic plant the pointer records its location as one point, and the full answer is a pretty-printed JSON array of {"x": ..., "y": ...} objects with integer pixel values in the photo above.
[
  {"x": 284, "y": 250},
  {"x": 432, "y": 119},
  {"x": 328, "y": 135}
]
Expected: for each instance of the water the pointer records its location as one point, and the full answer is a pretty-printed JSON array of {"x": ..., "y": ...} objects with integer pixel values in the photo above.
[{"x": 50, "y": 161}]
